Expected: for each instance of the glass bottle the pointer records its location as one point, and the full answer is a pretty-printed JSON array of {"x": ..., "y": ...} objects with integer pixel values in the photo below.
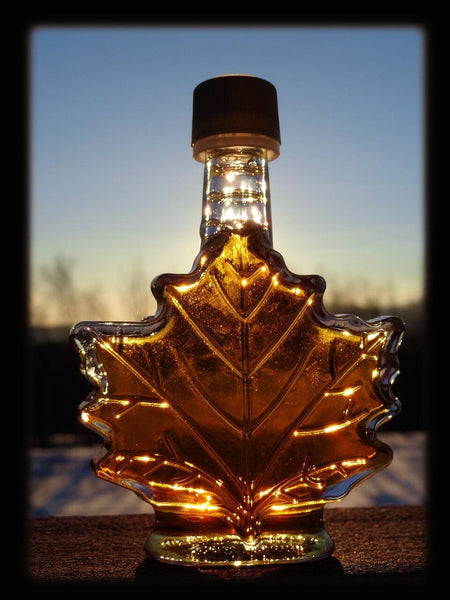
[{"x": 242, "y": 406}]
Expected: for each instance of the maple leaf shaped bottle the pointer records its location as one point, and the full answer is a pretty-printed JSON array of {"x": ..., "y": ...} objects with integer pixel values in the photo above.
[{"x": 242, "y": 406}]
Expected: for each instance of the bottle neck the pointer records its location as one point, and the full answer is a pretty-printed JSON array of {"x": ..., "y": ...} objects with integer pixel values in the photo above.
[{"x": 236, "y": 191}]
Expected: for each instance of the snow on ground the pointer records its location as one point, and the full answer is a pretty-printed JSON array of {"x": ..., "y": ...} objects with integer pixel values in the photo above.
[{"x": 61, "y": 482}]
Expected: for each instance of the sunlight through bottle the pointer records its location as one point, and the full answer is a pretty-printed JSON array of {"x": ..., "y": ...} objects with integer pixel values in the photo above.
[{"x": 242, "y": 406}]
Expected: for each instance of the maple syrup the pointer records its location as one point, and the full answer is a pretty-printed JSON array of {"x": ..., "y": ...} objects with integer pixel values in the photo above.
[{"x": 242, "y": 406}]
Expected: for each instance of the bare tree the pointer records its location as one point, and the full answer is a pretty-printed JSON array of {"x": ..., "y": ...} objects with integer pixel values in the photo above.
[
  {"x": 58, "y": 279},
  {"x": 58, "y": 299}
]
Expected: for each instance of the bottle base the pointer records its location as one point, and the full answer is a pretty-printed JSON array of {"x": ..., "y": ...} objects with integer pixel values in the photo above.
[{"x": 231, "y": 550}]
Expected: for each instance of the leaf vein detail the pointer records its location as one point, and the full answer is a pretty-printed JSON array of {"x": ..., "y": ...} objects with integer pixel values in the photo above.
[
  {"x": 277, "y": 343},
  {"x": 206, "y": 338}
]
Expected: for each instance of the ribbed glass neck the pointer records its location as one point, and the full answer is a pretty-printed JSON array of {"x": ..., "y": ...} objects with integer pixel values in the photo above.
[{"x": 235, "y": 191}]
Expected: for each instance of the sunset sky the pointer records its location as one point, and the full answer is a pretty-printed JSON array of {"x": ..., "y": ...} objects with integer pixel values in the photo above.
[{"x": 114, "y": 187}]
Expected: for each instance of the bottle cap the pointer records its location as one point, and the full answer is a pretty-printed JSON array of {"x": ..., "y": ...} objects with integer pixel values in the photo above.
[{"x": 235, "y": 110}]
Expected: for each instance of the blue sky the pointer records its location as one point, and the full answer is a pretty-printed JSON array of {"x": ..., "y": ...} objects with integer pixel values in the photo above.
[{"x": 114, "y": 184}]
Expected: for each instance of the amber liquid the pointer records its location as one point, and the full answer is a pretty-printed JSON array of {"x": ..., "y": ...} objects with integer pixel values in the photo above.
[{"x": 241, "y": 407}]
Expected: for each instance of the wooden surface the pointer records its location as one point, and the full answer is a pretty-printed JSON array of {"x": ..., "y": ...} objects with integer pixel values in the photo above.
[{"x": 372, "y": 544}]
